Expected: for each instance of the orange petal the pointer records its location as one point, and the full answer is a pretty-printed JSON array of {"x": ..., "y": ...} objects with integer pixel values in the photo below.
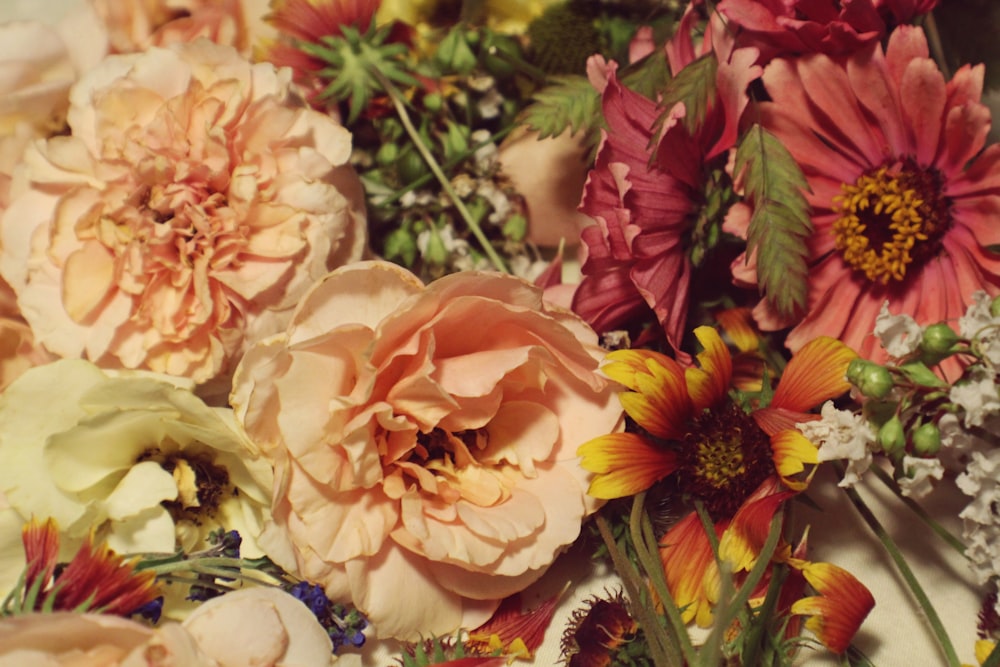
[
  {"x": 624, "y": 464},
  {"x": 690, "y": 567},
  {"x": 659, "y": 401},
  {"x": 816, "y": 372},
  {"x": 515, "y": 632},
  {"x": 738, "y": 325},
  {"x": 794, "y": 454},
  {"x": 744, "y": 538},
  {"x": 709, "y": 384},
  {"x": 623, "y": 365},
  {"x": 839, "y": 609},
  {"x": 41, "y": 550}
]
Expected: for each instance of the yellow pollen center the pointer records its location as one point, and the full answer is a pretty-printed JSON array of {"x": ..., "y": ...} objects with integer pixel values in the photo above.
[
  {"x": 720, "y": 460},
  {"x": 886, "y": 219}
]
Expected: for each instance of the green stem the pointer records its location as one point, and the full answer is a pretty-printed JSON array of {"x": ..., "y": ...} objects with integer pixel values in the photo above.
[
  {"x": 934, "y": 41},
  {"x": 645, "y": 542},
  {"x": 937, "y": 627},
  {"x": 463, "y": 211},
  {"x": 634, "y": 589},
  {"x": 993, "y": 659},
  {"x": 940, "y": 530},
  {"x": 725, "y": 616}
]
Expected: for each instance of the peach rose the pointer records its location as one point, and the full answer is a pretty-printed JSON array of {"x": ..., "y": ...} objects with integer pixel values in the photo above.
[
  {"x": 94, "y": 640},
  {"x": 135, "y": 25},
  {"x": 424, "y": 440},
  {"x": 194, "y": 202}
]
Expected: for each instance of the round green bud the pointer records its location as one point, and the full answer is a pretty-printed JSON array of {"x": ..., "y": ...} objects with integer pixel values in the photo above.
[
  {"x": 387, "y": 154},
  {"x": 410, "y": 166},
  {"x": 436, "y": 254},
  {"x": 891, "y": 437},
  {"x": 872, "y": 380},
  {"x": 926, "y": 439},
  {"x": 938, "y": 339},
  {"x": 433, "y": 102},
  {"x": 995, "y": 306}
]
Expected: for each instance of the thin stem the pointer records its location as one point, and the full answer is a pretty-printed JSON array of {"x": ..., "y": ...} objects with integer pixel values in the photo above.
[
  {"x": 934, "y": 41},
  {"x": 937, "y": 627},
  {"x": 644, "y": 541},
  {"x": 463, "y": 211},
  {"x": 633, "y": 588},
  {"x": 940, "y": 530}
]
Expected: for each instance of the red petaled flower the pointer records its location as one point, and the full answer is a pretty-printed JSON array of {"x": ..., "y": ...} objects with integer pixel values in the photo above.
[
  {"x": 514, "y": 632},
  {"x": 96, "y": 579},
  {"x": 904, "y": 198},
  {"x": 839, "y": 608},
  {"x": 647, "y": 187},
  {"x": 741, "y": 466}
]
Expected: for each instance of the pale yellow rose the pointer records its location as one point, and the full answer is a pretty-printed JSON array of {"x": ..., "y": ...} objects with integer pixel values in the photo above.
[
  {"x": 424, "y": 440},
  {"x": 138, "y": 458},
  {"x": 194, "y": 202},
  {"x": 65, "y": 639}
]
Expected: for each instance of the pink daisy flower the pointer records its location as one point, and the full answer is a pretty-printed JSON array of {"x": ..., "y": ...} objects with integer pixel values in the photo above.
[{"x": 905, "y": 202}]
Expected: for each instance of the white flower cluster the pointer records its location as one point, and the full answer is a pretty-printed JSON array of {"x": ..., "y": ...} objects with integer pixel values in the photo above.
[
  {"x": 841, "y": 434},
  {"x": 900, "y": 335}
]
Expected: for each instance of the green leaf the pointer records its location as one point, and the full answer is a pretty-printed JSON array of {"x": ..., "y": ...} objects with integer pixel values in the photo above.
[
  {"x": 695, "y": 87},
  {"x": 650, "y": 76},
  {"x": 568, "y": 103},
  {"x": 780, "y": 224}
]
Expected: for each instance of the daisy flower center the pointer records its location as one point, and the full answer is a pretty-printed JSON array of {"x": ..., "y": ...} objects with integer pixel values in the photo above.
[
  {"x": 724, "y": 458},
  {"x": 202, "y": 485},
  {"x": 891, "y": 219}
]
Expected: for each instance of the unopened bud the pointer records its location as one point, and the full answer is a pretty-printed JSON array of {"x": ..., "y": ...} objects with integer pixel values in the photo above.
[
  {"x": 938, "y": 340},
  {"x": 891, "y": 437},
  {"x": 926, "y": 439},
  {"x": 871, "y": 379}
]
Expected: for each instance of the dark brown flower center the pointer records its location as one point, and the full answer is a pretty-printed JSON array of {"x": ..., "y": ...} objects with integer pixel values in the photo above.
[
  {"x": 724, "y": 458},
  {"x": 202, "y": 485},
  {"x": 891, "y": 220}
]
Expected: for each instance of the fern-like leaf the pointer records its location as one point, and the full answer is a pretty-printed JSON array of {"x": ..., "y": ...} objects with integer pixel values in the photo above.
[
  {"x": 694, "y": 86},
  {"x": 780, "y": 224},
  {"x": 568, "y": 103}
]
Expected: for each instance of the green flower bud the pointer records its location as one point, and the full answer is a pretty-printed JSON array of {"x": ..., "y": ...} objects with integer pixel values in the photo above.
[
  {"x": 891, "y": 437},
  {"x": 410, "y": 166},
  {"x": 872, "y": 380},
  {"x": 433, "y": 102},
  {"x": 387, "y": 154},
  {"x": 995, "y": 306},
  {"x": 436, "y": 254},
  {"x": 937, "y": 342},
  {"x": 399, "y": 243},
  {"x": 454, "y": 53},
  {"x": 494, "y": 48},
  {"x": 926, "y": 439},
  {"x": 515, "y": 227}
]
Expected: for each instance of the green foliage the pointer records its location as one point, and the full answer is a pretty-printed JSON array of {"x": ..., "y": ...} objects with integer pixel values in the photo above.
[
  {"x": 650, "y": 76},
  {"x": 569, "y": 102},
  {"x": 695, "y": 86},
  {"x": 780, "y": 224},
  {"x": 357, "y": 63}
]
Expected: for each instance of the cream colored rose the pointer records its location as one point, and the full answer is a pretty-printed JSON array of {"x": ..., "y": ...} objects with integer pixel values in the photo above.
[
  {"x": 424, "y": 440},
  {"x": 140, "y": 459},
  {"x": 194, "y": 202},
  {"x": 65, "y": 639}
]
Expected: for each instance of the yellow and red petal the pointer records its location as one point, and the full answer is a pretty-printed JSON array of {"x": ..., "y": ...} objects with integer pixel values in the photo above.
[
  {"x": 624, "y": 464},
  {"x": 795, "y": 458},
  {"x": 41, "y": 551},
  {"x": 738, "y": 324},
  {"x": 661, "y": 404},
  {"x": 623, "y": 365},
  {"x": 708, "y": 384},
  {"x": 817, "y": 372},
  {"x": 744, "y": 538},
  {"x": 840, "y": 607},
  {"x": 690, "y": 568},
  {"x": 512, "y": 631},
  {"x": 104, "y": 581}
]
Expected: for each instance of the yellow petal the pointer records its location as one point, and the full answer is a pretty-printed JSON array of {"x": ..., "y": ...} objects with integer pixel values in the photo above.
[
  {"x": 624, "y": 464},
  {"x": 817, "y": 372},
  {"x": 708, "y": 384},
  {"x": 793, "y": 454}
]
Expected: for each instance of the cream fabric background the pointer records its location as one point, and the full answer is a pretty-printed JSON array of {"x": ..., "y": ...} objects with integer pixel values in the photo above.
[{"x": 894, "y": 634}]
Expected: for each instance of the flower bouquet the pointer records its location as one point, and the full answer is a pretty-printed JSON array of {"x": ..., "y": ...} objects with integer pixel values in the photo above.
[{"x": 594, "y": 333}]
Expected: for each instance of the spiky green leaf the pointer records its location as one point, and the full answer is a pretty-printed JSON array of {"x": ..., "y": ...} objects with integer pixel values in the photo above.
[
  {"x": 694, "y": 86},
  {"x": 649, "y": 77},
  {"x": 780, "y": 224},
  {"x": 568, "y": 103}
]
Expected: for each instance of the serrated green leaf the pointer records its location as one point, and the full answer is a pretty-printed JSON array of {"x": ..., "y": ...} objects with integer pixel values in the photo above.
[
  {"x": 650, "y": 76},
  {"x": 568, "y": 103},
  {"x": 695, "y": 87},
  {"x": 780, "y": 224}
]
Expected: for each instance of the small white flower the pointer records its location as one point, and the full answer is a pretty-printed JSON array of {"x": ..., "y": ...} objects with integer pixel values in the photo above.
[
  {"x": 981, "y": 529},
  {"x": 980, "y": 325},
  {"x": 841, "y": 434},
  {"x": 977, "y": 397},
  {"x": 900, "y": 334},
  {"x": 918, "y": 473}
]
